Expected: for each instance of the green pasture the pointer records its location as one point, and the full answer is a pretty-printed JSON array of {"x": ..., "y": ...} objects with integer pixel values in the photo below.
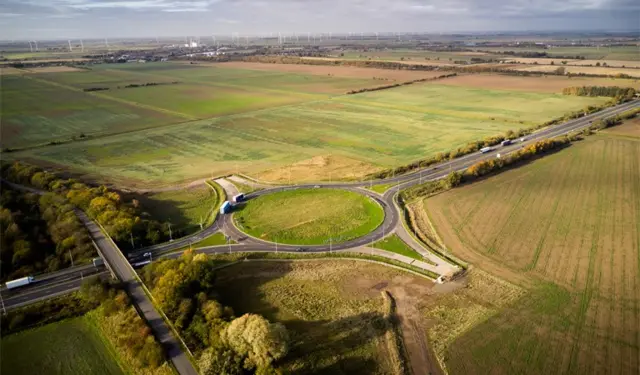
[
  {"x": 47, "y": 107},
  {"x": 34, "y": 113},
  {"x": 387, "y": 128},
  {"x": 309, "y": 216},
  {"x": 69, "y": 347}
]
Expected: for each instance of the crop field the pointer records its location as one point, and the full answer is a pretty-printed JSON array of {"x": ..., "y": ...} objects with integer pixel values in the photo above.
[
  {"x": 331, "y": 308},
  {"x": 35, "y": 112},
  {"x": 570, "y": 223},
  {"x": 383, "y": 128},
  {"x": 66, "y": 348},
  {"x": 49, "y": 104},
  {"x": 310, "y": 216}
]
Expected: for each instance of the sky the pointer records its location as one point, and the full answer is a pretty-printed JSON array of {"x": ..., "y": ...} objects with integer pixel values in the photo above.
[{"x": 51, "y": 19}]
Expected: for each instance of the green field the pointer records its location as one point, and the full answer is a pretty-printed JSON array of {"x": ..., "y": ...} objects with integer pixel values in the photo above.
[
  {"x": 331, "y": 308},
  {"x": 184, "y": 208},
  {"x": 69, "y": 347},
  {"x": 35, "y": 112},
  {"x": 309, "y": 216},
  {"x": 567, "y": 227},
  {"x": 394, "y": 244},
  {"x": 387, "y": 127}
]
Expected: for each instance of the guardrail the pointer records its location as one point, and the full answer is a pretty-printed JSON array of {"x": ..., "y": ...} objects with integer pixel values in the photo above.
[{"x": 153, "y": 301}]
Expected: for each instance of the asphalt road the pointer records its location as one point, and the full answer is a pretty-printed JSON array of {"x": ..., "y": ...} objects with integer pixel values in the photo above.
[
  {"x": 223, "y": 222},
  {"x": 125, "y": 273},
  {"x": 49, "y": 285}
]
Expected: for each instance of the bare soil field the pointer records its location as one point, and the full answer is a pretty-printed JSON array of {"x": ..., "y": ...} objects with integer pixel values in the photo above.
[
  {"x": 408, "y": 62},
  {"x": 570, "y": 222},
  {"x": 546, "y": 84},
  {"x": 53, "y": 69},
  {"x": 318, "y": 168},
  {"x": 630, "y": 128},
  {"x": 337, "y": 71},
  {"x": 5, "y": 71}
]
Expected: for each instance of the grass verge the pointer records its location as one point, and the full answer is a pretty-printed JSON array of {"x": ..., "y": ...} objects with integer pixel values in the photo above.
[{"x": 394, "y": 244}]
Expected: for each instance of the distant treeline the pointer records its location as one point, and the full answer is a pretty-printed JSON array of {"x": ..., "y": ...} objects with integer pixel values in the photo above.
[
  {"x": 400, "y": 84},
  {"x": 531, "y": 54},
  {"x": 123, "y": 220},
  {"x": 497, "y": 68},
  {"x": 130, "y": 86},
  {"x": 610, "y": 91}
]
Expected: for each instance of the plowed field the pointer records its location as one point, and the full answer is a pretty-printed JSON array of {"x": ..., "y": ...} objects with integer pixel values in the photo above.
[{"x": 570, "y": 222}]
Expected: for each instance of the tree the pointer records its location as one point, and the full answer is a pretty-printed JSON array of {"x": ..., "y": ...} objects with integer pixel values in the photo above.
[
  {"x": 453, "y": 179},
  {"x": 259, "y": 341},
  {"x": 220, "y": 361}
]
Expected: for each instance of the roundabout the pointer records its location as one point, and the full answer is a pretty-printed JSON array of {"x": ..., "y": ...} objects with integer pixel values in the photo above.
[{"x": 309, "y": 216}]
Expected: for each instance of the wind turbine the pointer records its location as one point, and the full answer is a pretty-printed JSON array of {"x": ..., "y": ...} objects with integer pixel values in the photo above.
[
  {"x": 81, "y": 45},
  {"x": 30, "y": 46},
  {"x": 70, "y": 49}
]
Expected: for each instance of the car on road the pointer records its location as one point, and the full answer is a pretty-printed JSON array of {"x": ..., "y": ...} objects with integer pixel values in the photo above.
[
  {"x": 523, "y": 139},
  {"x": 300, "y": 249},
  {"x": 316, "y": 186}
]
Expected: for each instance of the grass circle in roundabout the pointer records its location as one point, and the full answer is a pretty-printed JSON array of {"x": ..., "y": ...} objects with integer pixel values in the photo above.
[{"x": 309, "y": 216}]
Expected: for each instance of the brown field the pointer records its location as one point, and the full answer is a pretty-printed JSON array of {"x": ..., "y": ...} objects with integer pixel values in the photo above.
[
  {"x": 570, "y": 222},
  {"x": 547, "y": 84},
  {"x": 579, "y": 69},
  {"x": 5, "y": 71},
  {"x": 337, "y": 71},
  {"x": 630, "y": 128},
  {"x": 52, "y": 69},
  {"x": 408, "y": 62},
  {"x": 319, "y": 168}
]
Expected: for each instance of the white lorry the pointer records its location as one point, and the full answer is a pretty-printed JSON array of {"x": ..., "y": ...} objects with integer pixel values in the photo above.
[{"x": 19, "y": 282}]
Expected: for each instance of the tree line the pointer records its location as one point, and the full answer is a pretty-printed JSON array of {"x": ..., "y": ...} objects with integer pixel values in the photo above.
[
  {"x": 610, "y": 91},
  {"x": 483, "y": 168},
  {"x": 130, "y": 86},
  {"x": 185, "y": 289},
  {"x": 385, "y": 87},
  {"x": 497, "y": 68},
  {"x": 39, "y": 234},
  {"x": 123, "y": 220}
]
